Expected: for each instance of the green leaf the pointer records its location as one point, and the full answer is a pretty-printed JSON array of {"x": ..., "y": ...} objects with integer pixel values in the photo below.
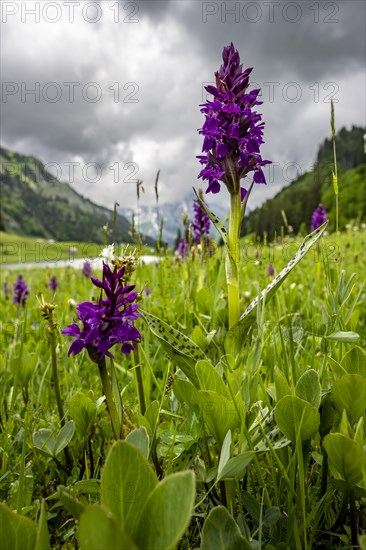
[
  {"x": 209, "y": 379},
  {"x": 139, "y": 438},
  {"x": 354, "y": 362},
  {"x": 348, "y": 392},
  {"x": 346, "y": 457},
  {"x": 70, "y": 501},
  {"x": 43, "y": 538},
  {"x": 44, "y": 441},
  {"x": 99, "y": 530},
  {"x": 308, "y": 388},
  {"x": 290, "y": 412},
  {"x": 221, "y": 532},
  {"x": 272, "y": 516},
  {"x": 274, "y": 285},
  {"x": 179, "y": 347},
  {"x": 167, "y": 512},
  {"x": 225, "y": 453},
  {"x": 235, "y": 467},
  {"x": 17, "y": 532},
  {"x": 281, "y": 384},
  {"x": 344, "y": 337},
  {"x": 219, "y": 414},
  {"x": 64, "y": 436},
  {"x": 127, "y": 481},
  {"x": 82, "y": 410},
  {"x": 185, "y": 391}
]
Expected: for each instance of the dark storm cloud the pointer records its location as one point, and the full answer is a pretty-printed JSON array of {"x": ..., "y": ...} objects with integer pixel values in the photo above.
[{"x": 156, "y": 56}]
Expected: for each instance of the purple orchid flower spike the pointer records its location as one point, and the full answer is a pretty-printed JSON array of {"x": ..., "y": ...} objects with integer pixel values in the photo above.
[
  {"x": 201, "y": 224},
  {"x": 109, "y": 321},
  {"x": 319, "y": 217},
  {"x": 21, "y": 291},
  {"x": 232, "y": 131}
]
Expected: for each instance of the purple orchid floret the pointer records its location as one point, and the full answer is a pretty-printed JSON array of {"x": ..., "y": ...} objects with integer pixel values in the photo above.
[
  {"x": 109, "y": 321},
  {"x": 87, "y": 269},
  {"x": 21, "y": 291},
  {"x": 53, "y": 284},
  {"x": 319, "y": 217},
  {"x": 201, "y": 224},
  {"x": 270, "y": 270},
  {"x": 233, "y": 132}
]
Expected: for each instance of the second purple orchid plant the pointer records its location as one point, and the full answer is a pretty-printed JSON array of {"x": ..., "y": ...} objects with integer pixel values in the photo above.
[
  {"x": 107, "y": 322},
  {"x": 233, "y": 134}
]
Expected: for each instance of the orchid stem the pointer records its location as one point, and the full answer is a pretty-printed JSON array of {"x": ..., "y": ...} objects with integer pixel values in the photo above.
[
  {"x": 140, "y": 382},
  {"x": 107, "y": 389},
  {"x": 232, "y": 260}
]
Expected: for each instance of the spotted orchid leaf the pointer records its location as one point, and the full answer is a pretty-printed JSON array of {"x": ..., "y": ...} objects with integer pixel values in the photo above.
[
  {"x": 268, "y": 292},
  {"x": 219, "y": 225},
  {"x": 182, "y": 350}
]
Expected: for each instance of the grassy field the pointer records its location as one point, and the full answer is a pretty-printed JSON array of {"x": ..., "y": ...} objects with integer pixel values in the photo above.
[
  {"x": 274, "y": 433},
  {"x": 18, "y": 249}
]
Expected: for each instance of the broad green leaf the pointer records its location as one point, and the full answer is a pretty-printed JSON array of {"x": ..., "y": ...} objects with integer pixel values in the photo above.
[
  {"x": 139, "y": 438},
  {"x": 290, "y": 412},
  {"x": 198, "y": 336},
  {"x": 167, "y": 512},
  {"x": 17, "y": 532},
  {"x": 82, "y": 411},
  {"x": 88, "y": 486},
  {"x": 185, "y": 391},
  {"x": 354, "y": 362},
  {"x": 336, "y": 367},
  {"x": 179, "y": 347},
  {"x": 346, "y": 457},
  {"x": 235, "y": 467},
  {"x": 151, "y": 415},
  {"x": 219, "y": 414},
  {"x": 99, "y": 530},
  {"x": 209, "y": 379},
  {"x": 43, "y": 538},
  {"x": 70, "y": 501},
  {"x": 225, "y": 453},
  {"x": 127, "y": 481},
  {"x": 308, "y": 388},
  {"x": 349, "y": 393},
  {"x": 44, "y": 441},
  {"x": 272, "y": 516},
  {"x": 274, "y": 285},
  {"x": 344, "y": 337},
  {"x": 64, "y": 436},
  {"x": 221, "y": 532},
  {"x": 281, "y": 384}
]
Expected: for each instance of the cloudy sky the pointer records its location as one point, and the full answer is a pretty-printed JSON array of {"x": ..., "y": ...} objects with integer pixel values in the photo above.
[{"x": 106, "y": 92}]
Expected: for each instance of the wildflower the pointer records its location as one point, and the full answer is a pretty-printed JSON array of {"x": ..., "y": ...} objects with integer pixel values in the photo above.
[
  {"x": 147, "y": 291},
  {"x": 109, "y": 321},
  {"x": 86, "y": 270},
  {"x": 182, "y": 249},
  {"x": 270, "y": 270},
  {"x": 201, "y": 224},
  {"x": 107, "y": 255},
  {"x": 21, "y": 290},
  {"x": 319, "y": 217},
  {"x": 53, "y": 284},
  {"x": 232, "y": 130}
]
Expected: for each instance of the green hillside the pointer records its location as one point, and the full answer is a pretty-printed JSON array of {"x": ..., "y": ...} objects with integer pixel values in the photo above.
[
  {"x": 299, "y": 199},
  {"x": 35, "y": 203}
]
